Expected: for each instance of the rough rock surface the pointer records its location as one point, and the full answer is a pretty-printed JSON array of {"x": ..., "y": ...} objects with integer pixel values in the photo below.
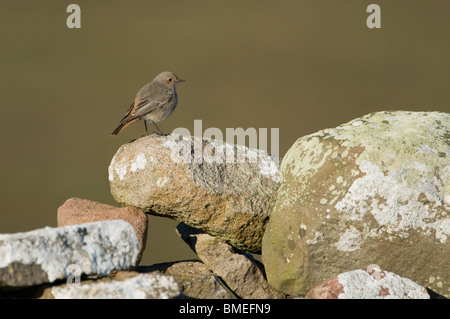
[
  {"x": 194, "y": 277},
  {"x": 76, "y": 211},
  {"x": 168, "y": 176},
  {"x": 47, "y": 254},
  {"x": 142, "y": 286},
  {"x": 242, "y": 274},
  {"x": 370, "y": 283},
  {"x": 374, "y": 190}
]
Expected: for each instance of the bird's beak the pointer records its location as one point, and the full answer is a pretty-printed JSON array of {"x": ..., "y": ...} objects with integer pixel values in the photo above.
[{"x": 180, "y": 80}]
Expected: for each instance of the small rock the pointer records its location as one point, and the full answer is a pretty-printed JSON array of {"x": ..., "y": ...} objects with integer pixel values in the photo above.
[
  {"x": 374, "y": 190},
  {"x": 80, "y": 211},
  {"x": 231, "y": 201},
  {"x": 193, "y": 276},
  {"x": 48, "y": 254},
  {"x": 143, "y": 286},
  {"x": 370, "y": 283},
  {"x": 242, "y": 274}
]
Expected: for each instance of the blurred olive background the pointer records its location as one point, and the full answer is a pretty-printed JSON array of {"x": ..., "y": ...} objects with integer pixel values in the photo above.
[{"x": 300, "y": 66}]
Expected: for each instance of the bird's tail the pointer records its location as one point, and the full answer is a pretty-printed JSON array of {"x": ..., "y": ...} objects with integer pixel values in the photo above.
[{"x": 122, "y": 125}]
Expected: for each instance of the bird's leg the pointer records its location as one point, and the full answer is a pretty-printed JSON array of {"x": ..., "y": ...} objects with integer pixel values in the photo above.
[
  {"x": 145, "y": 123},
  {"x": 160, "y": 133}
]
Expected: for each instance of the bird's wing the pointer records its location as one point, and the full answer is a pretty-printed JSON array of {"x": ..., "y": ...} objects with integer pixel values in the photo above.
[
  {"x": 149, "y": 97},
  {"x": 147, "y": 104},
  {"x": 130, "y": 110},
  {"x": 138, "y": 102}
]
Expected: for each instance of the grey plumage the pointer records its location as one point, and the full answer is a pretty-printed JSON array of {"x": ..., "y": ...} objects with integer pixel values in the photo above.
[{"x": 154, "y": 102}]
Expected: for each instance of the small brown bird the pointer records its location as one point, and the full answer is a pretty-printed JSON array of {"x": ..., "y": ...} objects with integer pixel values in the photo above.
[{"x": 154, "y": 102}]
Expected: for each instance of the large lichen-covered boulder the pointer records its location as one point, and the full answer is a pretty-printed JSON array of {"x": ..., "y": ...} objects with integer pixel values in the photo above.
[
  {"x": 225, "y": 190},
  {"x": 373, "y": 191}
]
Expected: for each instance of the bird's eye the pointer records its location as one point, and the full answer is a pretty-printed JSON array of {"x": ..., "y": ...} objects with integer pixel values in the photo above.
[{"x": 169, "y": 79}]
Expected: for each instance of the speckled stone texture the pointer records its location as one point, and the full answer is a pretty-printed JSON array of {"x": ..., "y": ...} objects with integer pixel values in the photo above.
[
  {"x": 48, "y": 254},
  {"x": 195, "y": 279},
  {"x": 240, "y": 271},
  {"x": 375, "y": 190},
  {"x": 370, "y": 283},
  {"x": 194, "y": 181},
  {"x": 142, "y": 286},
  {"x": 77, "y": 211}
]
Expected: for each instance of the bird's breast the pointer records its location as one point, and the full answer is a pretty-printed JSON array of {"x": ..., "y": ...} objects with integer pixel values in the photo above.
[{"x": 163, "y": 111}]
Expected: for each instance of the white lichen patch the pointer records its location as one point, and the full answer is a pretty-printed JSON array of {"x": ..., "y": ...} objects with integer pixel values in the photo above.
[
  {"x": 307, "y": 164},
  {"x": 396, "y": 205},
  {"x": 317, "y": 237},
  {"x": 301, "y": 162},
  {"x": 350, "y": 240},
  {"x": 120, "y": 166},
  {"x": 111, "y": 169},
  {"x": 120, "y": 170},
  {"x": 173, "y": 141},
  {"x": 269, "y": 167},
  {"x": 110, "y": 173},
  {"x": 426, "y": 149},
  {"x": 447, "y": 200},
  {"x": 138, "y": 163},
  {"x": 143, "y": 286},
  {"x": 96, "y": 248},
  {"x": 303, "y": 226},
  {"x": 359, "y": 284},
  {"x": 195, "y": 149},
  {"x": 161, "y": 181}
]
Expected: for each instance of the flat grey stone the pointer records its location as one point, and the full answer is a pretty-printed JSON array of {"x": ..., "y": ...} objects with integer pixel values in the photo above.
[
  {"x": 48, "y": 254},
  {"x": 142, "y": 286}
]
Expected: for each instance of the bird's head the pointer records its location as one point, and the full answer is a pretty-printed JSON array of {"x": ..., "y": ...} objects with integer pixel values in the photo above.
[{"x": 168, "y": 79}]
